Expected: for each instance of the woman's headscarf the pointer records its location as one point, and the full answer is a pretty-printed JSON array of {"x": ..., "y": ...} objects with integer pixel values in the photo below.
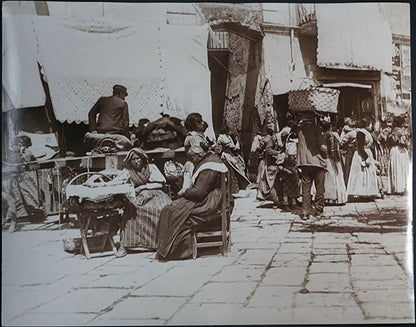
[
  {"x": 138, "y": 177},
  {"x": 134, "y": 153}
]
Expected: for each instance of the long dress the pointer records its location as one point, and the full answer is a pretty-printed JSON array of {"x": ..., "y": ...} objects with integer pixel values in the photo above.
[
  {"x": 348, "y": 146},
  {"x": 399, "y": 162},
  {"x": 335, "y": 190},
  {"x": 199, "y": 204},
  {"x": 362, "y": 180},
  {"x": 268, "y": 169},
  {"x": 142, "y": 212},
  {"x": 234, "y": 162},
  {"x": 23, "y": 188}
]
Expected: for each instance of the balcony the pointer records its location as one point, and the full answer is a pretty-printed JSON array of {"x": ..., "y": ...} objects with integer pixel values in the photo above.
[{"x": 307, "y": 18}]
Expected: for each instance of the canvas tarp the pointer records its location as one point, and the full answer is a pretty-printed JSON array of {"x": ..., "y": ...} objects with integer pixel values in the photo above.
[
  {"x": 284, "y": 74},
  {"x": 127, "y": 12},
  {"x": 21, "y": 85},
  {"x": 165, "y": 68},
  {"x": 353, "y": 36}
]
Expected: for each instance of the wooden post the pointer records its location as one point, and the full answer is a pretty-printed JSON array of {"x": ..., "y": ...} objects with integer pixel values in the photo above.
[{"x": 224, "y": 214}]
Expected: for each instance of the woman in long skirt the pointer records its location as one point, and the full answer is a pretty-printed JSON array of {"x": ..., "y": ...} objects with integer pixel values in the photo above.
[
  {"x": 362, "y": 182},
  {"x": 399, "y": 159},
  {"x": 233, "y": 160},
  {"x": 335, "y": 190},
  {"x": 141, "y": 216}
]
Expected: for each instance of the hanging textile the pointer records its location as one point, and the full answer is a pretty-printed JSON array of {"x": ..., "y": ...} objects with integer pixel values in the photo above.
[
  {"x": 164, "y": 68},
  {"x": 21, "y": 85},
  {"x": 83, "y": 59},
  {"x": 353, "y": 36},
  {"x": 284, "y": 72}
]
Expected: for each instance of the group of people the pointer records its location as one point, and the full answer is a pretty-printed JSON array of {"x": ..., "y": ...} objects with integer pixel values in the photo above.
[
  {"x": 151, "y": 219},
  {"x": 308, "y": 158}
]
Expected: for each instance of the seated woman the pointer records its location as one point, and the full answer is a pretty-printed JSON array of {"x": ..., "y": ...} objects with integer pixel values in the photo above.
[
  {"x": 197, "y": 205},
  {"x": 141, "y": 215}
]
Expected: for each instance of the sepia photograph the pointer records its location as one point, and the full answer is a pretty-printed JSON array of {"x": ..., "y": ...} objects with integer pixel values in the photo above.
[{"x": 206, "y": 163}]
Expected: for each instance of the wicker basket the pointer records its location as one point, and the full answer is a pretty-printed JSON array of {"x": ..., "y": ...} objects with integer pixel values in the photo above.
[{"x": 314, "y": 98}]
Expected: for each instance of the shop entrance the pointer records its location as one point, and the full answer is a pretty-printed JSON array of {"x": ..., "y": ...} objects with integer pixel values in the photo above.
[
  {"x": 218, "y": 63},
  {"x": 354, "y": 102}
]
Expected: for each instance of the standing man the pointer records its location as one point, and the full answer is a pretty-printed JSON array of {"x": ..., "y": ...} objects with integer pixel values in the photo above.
[
  {"x": 113, "y": 113},
  {"x": 311, "y": 161}
]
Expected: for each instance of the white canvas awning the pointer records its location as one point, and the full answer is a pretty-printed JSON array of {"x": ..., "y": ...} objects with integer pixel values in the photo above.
[
  {"x": 164, "y": 67},
  {"x": 353, "y": 36},
  {"x": 21, "y": 84}
]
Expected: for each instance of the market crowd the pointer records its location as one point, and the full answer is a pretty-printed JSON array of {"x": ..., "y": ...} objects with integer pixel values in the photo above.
[
  {"x": 304, "y": 166},
  {"x": 312, "y": 159}
]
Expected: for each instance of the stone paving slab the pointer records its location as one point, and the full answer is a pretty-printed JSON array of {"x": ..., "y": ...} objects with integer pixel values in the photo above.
[
  {"x": 83, "y": 301},
  {"x": 206, "y": 314},
  {"x": 377, "y": 272},
  {"x": 270, "y": 316},
  {"x": 329, "y": 245},
  {"x": 295, "y": 248},
  {"x": 330, "y": 258},
  {"x": 400, "y": 310},
  {"x": 127, "y": 281},
  {"x": 239, "y": 273},
  {"x": 27, "y": 298},
  {"x": 148, "y": 308},
  {"x": 285, "y": 276},
  {"x": 342, "y": 299},
  {"x": 281, "y": 297},
  {"x": 236, "y": 292},
  {"x": 385, "y": 296},
  {"x": 373, "y": 260},
  {"x": 329, "y": 250},
  {"x": 323, "y": 314},
  {"x": 320, "y": 267},
  {"x": 76, "y": 280},
  {"x": 256, "y": 257},
  {"x": 328, "y": 282},
  {"x": 387, "y": 284},
  {"x": 105, "y": 321},
  {"x": 165, "y": 286},
  {"x": 290, "y": 260},
  {"x": 41, "y": 319}
]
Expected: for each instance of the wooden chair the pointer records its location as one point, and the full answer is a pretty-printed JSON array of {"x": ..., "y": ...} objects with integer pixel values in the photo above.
[{"x": 217, "y": 232}]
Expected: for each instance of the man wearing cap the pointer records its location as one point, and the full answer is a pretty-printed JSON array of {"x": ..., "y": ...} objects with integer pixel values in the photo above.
[{"x": 113, "y": 113}]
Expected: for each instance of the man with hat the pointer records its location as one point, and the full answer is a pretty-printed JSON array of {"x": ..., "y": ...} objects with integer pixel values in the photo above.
[{"x": 113, "y": 113}]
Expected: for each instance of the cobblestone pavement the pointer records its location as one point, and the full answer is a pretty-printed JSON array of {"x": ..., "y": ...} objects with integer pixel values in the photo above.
[{"x": 353, "y": 266}]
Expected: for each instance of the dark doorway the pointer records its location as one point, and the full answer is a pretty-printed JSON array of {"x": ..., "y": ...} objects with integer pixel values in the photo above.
[
  {"x": 281, "y": 107},
  {"x": 218, "y": 65},
  {"x": 352, "y": 102}
]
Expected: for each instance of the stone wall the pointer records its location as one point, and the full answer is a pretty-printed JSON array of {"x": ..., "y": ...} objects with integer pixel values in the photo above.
[
  {"x": 248, "y": 15},
  {"x": 238, "y": 64}
]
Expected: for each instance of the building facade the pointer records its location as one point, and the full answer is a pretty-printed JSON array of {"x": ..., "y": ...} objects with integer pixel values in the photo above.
[{"x": 258, "y": 52}]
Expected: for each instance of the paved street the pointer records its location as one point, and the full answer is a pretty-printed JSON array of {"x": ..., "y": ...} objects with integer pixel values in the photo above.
[{"x": 353, "y": 266}]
